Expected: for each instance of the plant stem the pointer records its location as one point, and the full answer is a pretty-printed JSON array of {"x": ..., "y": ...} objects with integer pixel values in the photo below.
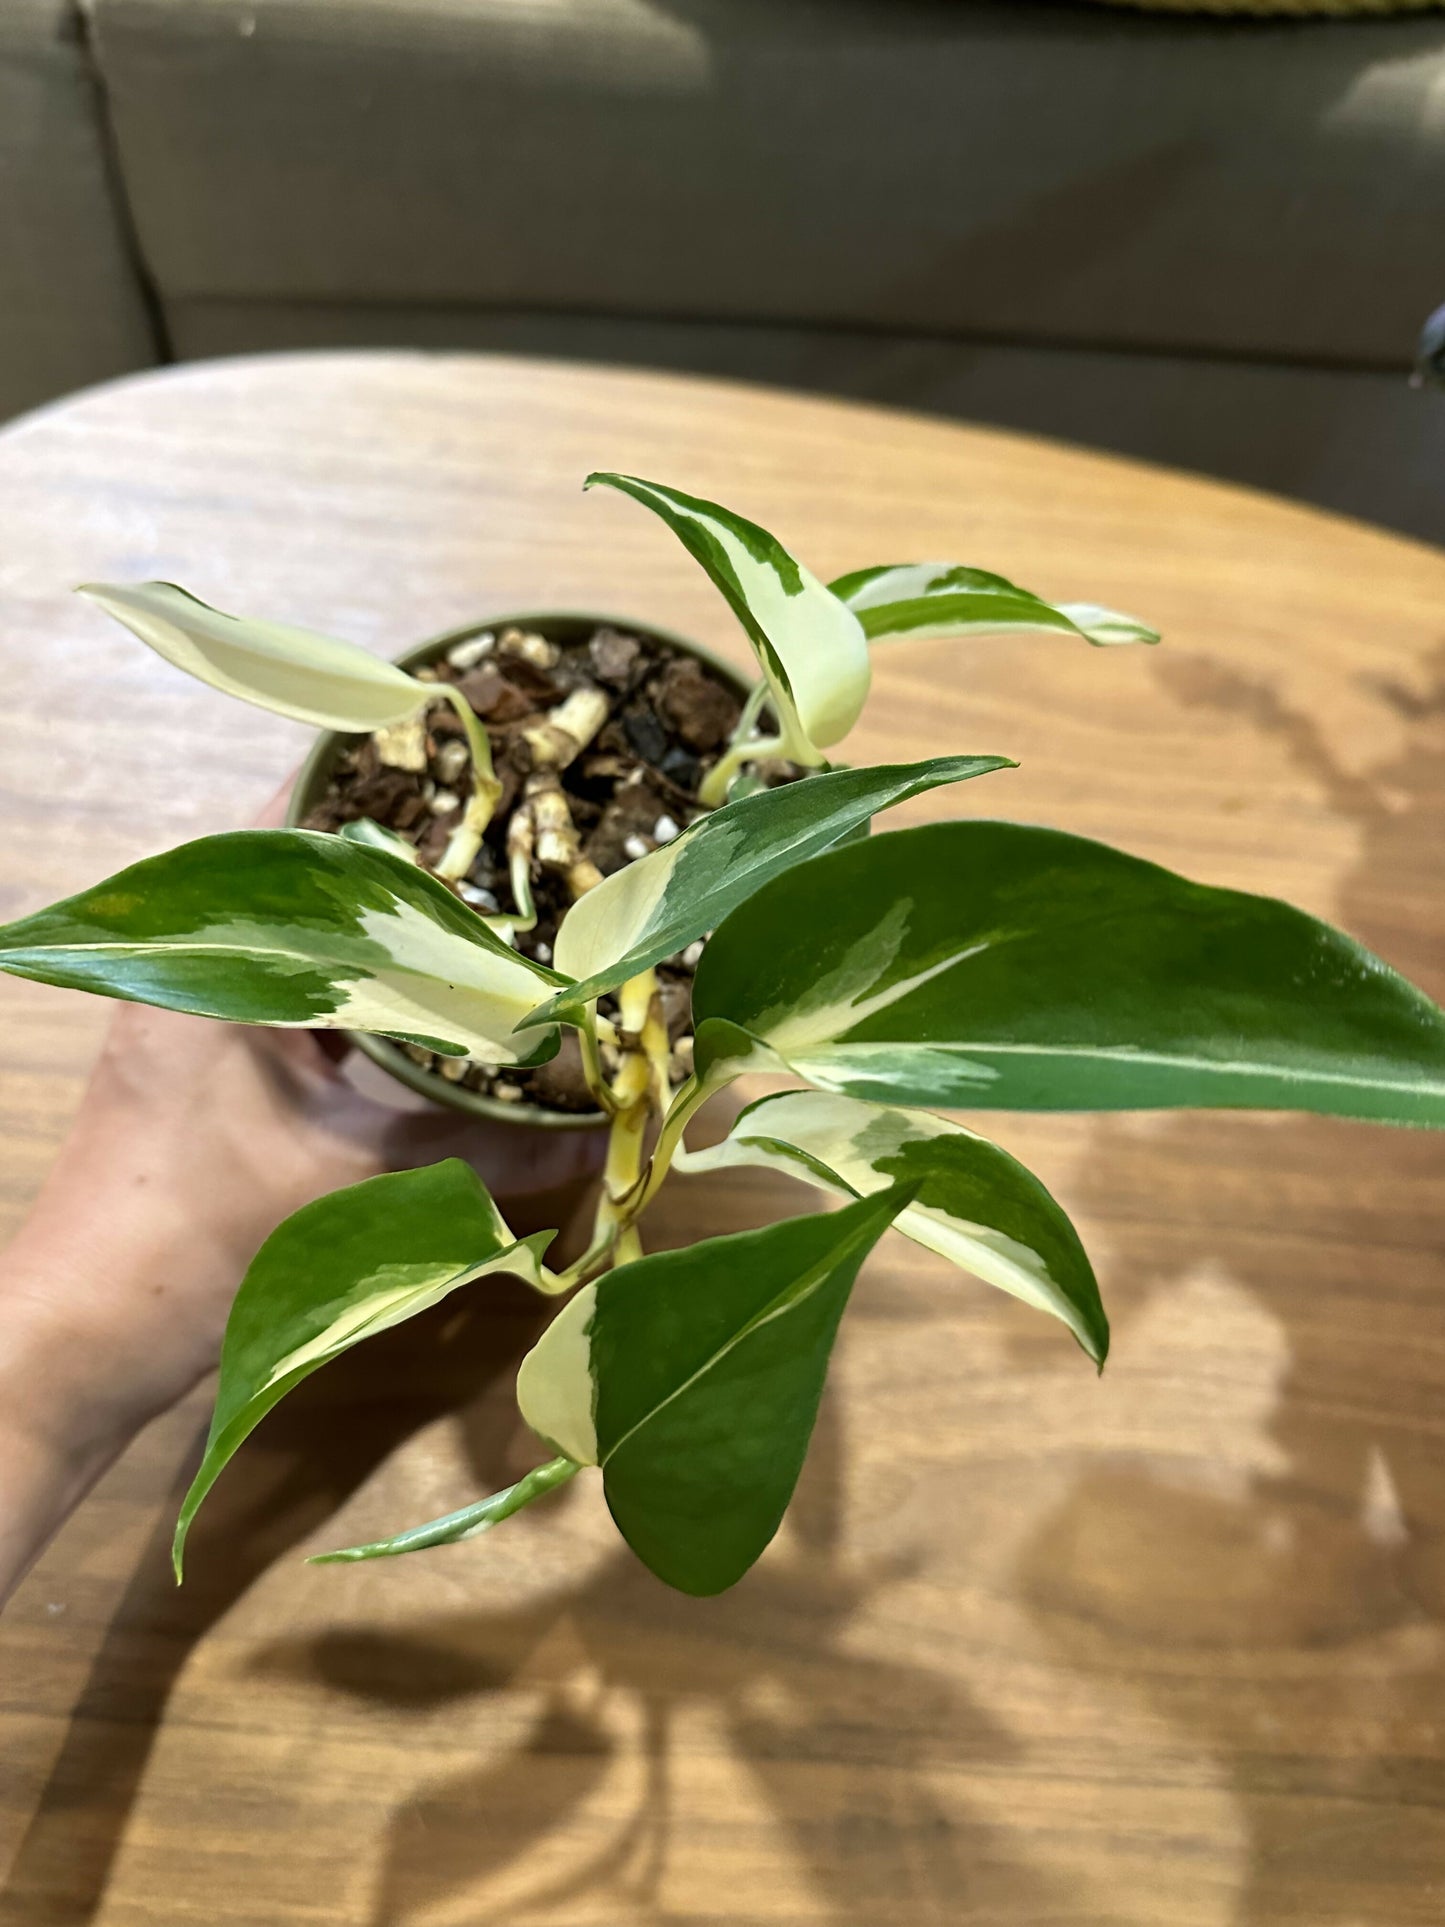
[
  {"x": 690, "y": 1099},
  {"x": 631, "y": 1093},
  {"x": 747, "y": 722},
  {"x": 713, "y": 790},
  {"x": 592, "y": 1069},
  {"x": 629, "y": 1246},
  {"x": 466, "y": 838},
  {"x": 593, "y": 1259},
  {"x": 631, "y": 1099}
]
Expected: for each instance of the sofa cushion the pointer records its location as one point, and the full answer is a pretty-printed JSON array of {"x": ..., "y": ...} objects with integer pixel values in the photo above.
[
  {"x": 1033, "y": 172},
  {"x": 70, "y": 304}
]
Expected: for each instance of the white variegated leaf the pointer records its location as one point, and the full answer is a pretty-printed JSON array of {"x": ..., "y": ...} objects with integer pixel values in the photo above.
[
  {"x": 342, "y": 1270},
  {"x": 998, "y": 966},
  {"x": 812, "y": 649},
  {"x": 692, "y": 1378},
  {"x": 975, "y": 1205},
  {"x": 921, "y": 600},
  {"x": 658, "y": 905},
  {"x": 292, "y": 928},
  {"x": 554, "y": 1383},
  {"x": 313, "y": 678}
]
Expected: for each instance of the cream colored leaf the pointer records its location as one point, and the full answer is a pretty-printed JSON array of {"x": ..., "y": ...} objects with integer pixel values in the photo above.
[
  {"x": 975, "y": 1205},
  {"x": 554, "y": 1383},
  {"x": 312, "y": 678}
]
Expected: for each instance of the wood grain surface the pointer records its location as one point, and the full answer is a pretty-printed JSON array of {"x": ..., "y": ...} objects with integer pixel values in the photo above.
[{"x": 1164, "y": 1649}]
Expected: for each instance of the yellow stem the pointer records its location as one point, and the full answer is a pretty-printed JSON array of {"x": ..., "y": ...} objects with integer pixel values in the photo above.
[
  {"x": 631, "y": 1100},
  {"x": 592, "y": 1065},
  {"x": 593, "y": 1260},
  {"x": 466, "y": 838},
  {"x": 713, "y": 790}
]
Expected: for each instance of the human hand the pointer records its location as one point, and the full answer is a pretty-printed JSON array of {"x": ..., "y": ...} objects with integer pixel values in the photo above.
[{"x": 193, "y": 1141}]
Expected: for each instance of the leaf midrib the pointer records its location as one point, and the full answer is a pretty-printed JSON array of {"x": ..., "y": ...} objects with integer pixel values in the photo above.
[
  {"x": 775, "y": 851},
  {"x": 147, "y": 946},
  {"x": 1123, "y": 1054},
  {"x": 789, "y": 1299}
]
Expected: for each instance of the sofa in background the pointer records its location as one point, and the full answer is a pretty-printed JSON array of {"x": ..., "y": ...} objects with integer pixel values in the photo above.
[{"x": 1208, "y": 242}]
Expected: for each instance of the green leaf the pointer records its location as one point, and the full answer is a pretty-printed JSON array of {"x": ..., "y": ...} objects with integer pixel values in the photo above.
[
  {"x": 975, "y": 1205},
  {"x": 925, "y": 599},
  {"x": 693, "y": 1378},
  {"x": 989, "y": 965},
  {"x": 292, "y": 928},
  {"x": 341, "y": 1270},
  {"x": 656, "y": 906},
  {"x": 469, "y": 1523},
  {"x": 295, "y": 672},
  {"x": 812, "y": 649}
]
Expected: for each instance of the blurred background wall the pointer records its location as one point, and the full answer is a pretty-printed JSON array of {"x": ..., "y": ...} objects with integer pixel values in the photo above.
[{"x": 1209, "y": 242}]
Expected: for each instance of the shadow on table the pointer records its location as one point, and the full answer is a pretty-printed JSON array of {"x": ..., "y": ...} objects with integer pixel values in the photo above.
[
  {"x": 317, "y": 1448},
  {"x": 843, "y": 1751},
  {"x": 770, "y": 1661},
  {"x": 1295, "y": 1626}
]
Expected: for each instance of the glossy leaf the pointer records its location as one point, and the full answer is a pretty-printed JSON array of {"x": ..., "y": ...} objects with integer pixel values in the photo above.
[
  {"x": 811, "y": 648},
  {"x": 658, "y": 905},
  {"x": 295, "y": 672},
  {"x": 975, "y": 1204},
  {"x": 919, "y": 600},
  {"x": 993, "y": 965},
  {"x": 468, "y": 1523},
  {"x": 340, "y": 1270},
  {"x": 693, "y": 1378},
  {"x": 289, "y": 927}
]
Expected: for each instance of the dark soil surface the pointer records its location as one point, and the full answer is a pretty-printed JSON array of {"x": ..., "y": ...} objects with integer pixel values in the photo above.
[{"x": 630, "y": 788}]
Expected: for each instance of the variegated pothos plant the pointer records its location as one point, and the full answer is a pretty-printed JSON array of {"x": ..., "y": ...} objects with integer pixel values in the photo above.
[{"x": 969, "y": 965}]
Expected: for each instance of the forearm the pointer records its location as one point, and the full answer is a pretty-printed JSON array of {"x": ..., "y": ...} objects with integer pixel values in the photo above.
[
  {"x": 110, "y": 1309},
  {"x": 194, "y": 1141},
  {"x": 63, "y": 1417},
  {"x": 44, "y": 1474}
]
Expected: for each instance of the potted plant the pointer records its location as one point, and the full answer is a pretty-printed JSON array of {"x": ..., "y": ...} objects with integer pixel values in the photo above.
[{"x": 962, "y": 965}]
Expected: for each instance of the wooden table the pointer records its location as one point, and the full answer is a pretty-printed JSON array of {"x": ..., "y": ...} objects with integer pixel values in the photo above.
[{"x": 1164, "y": 1648}]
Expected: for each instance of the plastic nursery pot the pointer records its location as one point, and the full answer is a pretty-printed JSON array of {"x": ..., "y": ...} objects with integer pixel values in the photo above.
[{"x": 315, "y": 775}]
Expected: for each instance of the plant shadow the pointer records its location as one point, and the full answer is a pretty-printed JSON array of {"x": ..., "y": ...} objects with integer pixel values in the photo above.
[
  {"x": 1291, "y": 1614},
  {"x": 1293, "y": 1625},
  {"x": 316, "y": 1449},
  {"x": 841, "y": 1751}
]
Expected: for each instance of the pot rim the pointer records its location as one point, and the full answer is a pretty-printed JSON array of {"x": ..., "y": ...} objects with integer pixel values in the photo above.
[{"x": 316, "y": 769}]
